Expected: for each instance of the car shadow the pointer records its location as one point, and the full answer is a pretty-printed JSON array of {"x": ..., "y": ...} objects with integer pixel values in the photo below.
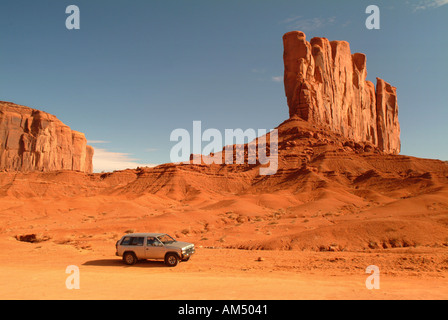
[{"x": 120, "y": 263}]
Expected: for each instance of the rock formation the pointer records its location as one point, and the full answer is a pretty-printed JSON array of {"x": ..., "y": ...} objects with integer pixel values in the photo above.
[
  {"x": 326, "y": 84},
  {"x": 33, "y": 140}
]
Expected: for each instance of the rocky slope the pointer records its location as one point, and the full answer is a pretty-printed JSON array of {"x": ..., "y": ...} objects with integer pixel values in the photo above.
[
  {"x": 33, "y": 140},
  {"x": 326, "y": 84},
  {"x": 327, "y": 195}
]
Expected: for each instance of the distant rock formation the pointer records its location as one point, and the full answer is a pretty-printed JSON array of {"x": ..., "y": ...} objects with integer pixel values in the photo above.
[
  {"x": 326, "y": 84},
  {"x": 33, "y": 140}
]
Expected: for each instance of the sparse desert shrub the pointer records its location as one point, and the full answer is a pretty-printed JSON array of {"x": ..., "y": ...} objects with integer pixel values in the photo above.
[
  {"x": 408, "y": 243},
  {"x": 395, "y": 243},
  {"x": 373, "y": 245}
]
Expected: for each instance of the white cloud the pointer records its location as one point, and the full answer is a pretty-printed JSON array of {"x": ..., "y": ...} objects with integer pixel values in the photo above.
[
  {"x": 104, "y": 160},
  {"x": 277, "y": 78},
  {"x": 301, "y": 24},
  {"x": 96, "y": 141},
  {"x": 427, "y": 4}
]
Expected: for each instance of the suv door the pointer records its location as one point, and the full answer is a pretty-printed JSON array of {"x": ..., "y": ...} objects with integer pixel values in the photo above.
[
  {"x": 135, "y": 244},
  {"x": 154, "y": 249}
]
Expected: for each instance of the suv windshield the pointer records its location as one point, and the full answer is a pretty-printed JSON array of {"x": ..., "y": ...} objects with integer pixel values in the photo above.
[{"x": 165, "y": 239}]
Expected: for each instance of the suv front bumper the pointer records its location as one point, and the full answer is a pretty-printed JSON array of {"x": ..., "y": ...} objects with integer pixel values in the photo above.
[{"x": 188, "y": 253}]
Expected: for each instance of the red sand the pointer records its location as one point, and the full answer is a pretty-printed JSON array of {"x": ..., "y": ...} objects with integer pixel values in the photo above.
[{"x": 329, "y": 212}]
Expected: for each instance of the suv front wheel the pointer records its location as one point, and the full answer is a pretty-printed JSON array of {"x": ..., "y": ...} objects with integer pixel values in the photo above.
[{"x": 171, "y": 259}]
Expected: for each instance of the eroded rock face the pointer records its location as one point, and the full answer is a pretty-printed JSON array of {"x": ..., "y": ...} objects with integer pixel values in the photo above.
[
  {"x": 387, "y": 117},
  {"x": 326, "y": 84},
  {"x": 33, "y": 140}
]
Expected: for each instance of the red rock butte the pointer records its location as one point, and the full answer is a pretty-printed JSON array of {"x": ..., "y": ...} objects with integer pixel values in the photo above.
[
  {"x": 326, "y": 84},
  {"x": 33, "y": 140}
]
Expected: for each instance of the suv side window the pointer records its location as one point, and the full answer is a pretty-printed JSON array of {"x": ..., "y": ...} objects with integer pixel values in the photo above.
[
  {"x": 126, "y": 241},
  {"x": 150, "y": 241},
  {"x": 137, "y": 241}
]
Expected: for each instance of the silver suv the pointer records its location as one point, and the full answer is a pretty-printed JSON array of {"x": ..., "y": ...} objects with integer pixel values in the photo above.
[{"x": 155, "y": 246}]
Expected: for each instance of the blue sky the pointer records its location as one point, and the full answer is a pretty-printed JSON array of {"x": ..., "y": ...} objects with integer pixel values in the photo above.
[{"x": 137, "y": 70}]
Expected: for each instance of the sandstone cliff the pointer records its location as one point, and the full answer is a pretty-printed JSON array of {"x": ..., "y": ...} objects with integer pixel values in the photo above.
[
  {"x": 33, "y": 140},
  {"x": 326, "y": 84}
]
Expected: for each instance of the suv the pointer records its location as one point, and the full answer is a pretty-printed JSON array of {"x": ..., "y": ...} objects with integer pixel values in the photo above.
[{"x": 158, "y": 246}]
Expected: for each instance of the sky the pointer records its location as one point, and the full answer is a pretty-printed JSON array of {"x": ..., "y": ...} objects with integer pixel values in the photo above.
[{"x": 137, "y": 70}]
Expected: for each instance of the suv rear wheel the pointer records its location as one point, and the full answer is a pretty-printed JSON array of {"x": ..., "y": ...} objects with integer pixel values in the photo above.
[
  {"x": 171, "y": 259},
  {"x": 129, "y": 258}
]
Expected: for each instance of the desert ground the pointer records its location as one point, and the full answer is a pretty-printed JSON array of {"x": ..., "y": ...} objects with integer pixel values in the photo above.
[
  {"x": 307, "y": 232},
  {"x": 38, "y": 271}
]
